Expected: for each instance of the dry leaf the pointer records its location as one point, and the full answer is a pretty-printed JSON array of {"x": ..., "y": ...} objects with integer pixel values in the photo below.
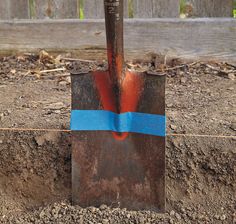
[
  {"x": 45, "y": 57},
  {"x": 57, "y": 60}
]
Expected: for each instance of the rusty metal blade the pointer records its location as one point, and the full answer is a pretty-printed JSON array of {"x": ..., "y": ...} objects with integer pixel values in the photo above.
[{"x": 128, "y": 173}]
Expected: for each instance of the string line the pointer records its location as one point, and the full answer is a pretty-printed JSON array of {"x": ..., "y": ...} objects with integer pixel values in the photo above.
[{"x": 68, "y": 131}]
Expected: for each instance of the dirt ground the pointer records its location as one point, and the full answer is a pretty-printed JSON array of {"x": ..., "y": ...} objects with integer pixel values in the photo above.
[{"x": 35, "y": 165}]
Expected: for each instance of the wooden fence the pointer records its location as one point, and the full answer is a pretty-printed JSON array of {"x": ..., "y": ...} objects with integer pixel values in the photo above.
[
  {"x": 152, "y": 25},
  {"x": 93, "y": 9}
]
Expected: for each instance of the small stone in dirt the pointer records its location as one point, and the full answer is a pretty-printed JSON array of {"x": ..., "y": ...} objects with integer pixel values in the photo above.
[
  {"x": 105, "y": 221},
  {"x": 103, "y": 207},
  {"x": 68, "y": 79},
  {"x": 41, "y": 214},
  {"x": 56, "y": 106},
  {"x": 233, "y": 126},
  {"x": 172, "y": 213},
  {"x": 1, "y": 141},
  {"x": 57, "y": 111},
  {"x": 223, "y": 217},
  {"x": 7, "y": 113},
  {"x": 169, "y": 105},
  {"x": 231, "y": 76},
  {"x": 142, "y": 220},
  {"x": 183, "y": 80},
  {"x": 173, "y": 127},
  {"x": 63, "y": 83},
  {"x": 92, "y": 209},
  {"x": 47, "y": 137},
  {"x": 177, "y": 216},
  {"x": 217, "y": 217}
]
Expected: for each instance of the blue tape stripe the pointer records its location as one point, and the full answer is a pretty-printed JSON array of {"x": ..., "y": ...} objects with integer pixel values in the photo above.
[{"x": 101, "y": 120}]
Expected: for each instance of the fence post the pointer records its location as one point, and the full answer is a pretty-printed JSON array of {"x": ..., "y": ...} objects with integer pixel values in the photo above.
[
  {"x": 14, "y": 9},
  {"x": 156, "y": 8}
]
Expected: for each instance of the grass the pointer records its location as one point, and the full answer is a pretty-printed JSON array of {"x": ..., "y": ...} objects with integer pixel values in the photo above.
[
  {"x": 81, "y": 9},
  {"x": 182, "y": 6},
  {"x": 131, "y": 9},
  {"x": 234, "y": 11},
  {"x": 32, "y": 9}
]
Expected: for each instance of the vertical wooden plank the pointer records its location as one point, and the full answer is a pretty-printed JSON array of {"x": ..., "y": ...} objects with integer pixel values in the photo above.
[
  {"x": 156, "y": 8},
  {"x": 126, "y": 8},
  {"x": 19, "y": 9},
  {"x": 165, "y": 8},
  {"x": 14, "y": 9},
  {"x": 142, "y": 8},
  {"x": 58, "y": 9},
  {"x": 93, "y": 9},
  {"x": 212, "y": 8},
  {"x": 4, "y": 12}
]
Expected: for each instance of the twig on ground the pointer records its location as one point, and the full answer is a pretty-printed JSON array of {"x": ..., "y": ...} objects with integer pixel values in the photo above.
[
  {"x": 77, "y": 59},
  {"x": 177, "y": 67},
  {"x": 225, "y": 72},
  {"x": 231, "y": 65},
  {"x": 52, "y": 70}
]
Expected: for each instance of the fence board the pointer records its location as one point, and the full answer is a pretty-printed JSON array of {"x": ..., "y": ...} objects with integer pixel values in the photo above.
[
  {"x": 142, "y": 8},
  {"x": 156, "y": 8},
  {"x": 94, "y": 9},
  {"x": 4, "y": 9},
  {"x": 14, "y": 9},
  {"x": 126, "y": 8},
  {"x": 212, "y": 8},
  {"x": 189, "y": 38},
  {"x": 58, "y": 9}
]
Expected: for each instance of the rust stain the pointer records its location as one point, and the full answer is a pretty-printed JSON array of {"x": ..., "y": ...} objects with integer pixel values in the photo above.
[
  {"x": 131, "y": 90},
  {"x": 105, "y": 89},
  {"x": 119, "y": 66},
  {"x": 129, "y": 93}
]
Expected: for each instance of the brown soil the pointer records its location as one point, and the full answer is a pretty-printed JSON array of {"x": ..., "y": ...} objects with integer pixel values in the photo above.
[{"x": 35, "y": 165}]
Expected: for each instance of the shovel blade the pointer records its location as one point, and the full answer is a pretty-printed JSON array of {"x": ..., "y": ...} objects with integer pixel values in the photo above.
[{"x": 128, "y": 173}]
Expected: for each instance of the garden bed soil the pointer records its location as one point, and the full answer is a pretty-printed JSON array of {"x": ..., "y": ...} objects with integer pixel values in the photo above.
[{"x": 35, "y": 165}]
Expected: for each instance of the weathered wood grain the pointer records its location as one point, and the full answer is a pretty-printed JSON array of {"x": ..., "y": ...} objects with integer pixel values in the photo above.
[
  {"x": 58, "y": 9},
  {"x": 94, "y": 9},
  {"x": 212, "y": 8},
  {"x": 156, "y": 8},
  {"x": 4, "y": 12},
  {"x": 189, "y": 38},
  {"x": 142, "y": 8},
  {"x": 126, "y": 8},
  {"x": 14, "y": 9}
]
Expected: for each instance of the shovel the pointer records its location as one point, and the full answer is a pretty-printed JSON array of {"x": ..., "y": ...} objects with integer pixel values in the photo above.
[{"x": 118, "y": 130}]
